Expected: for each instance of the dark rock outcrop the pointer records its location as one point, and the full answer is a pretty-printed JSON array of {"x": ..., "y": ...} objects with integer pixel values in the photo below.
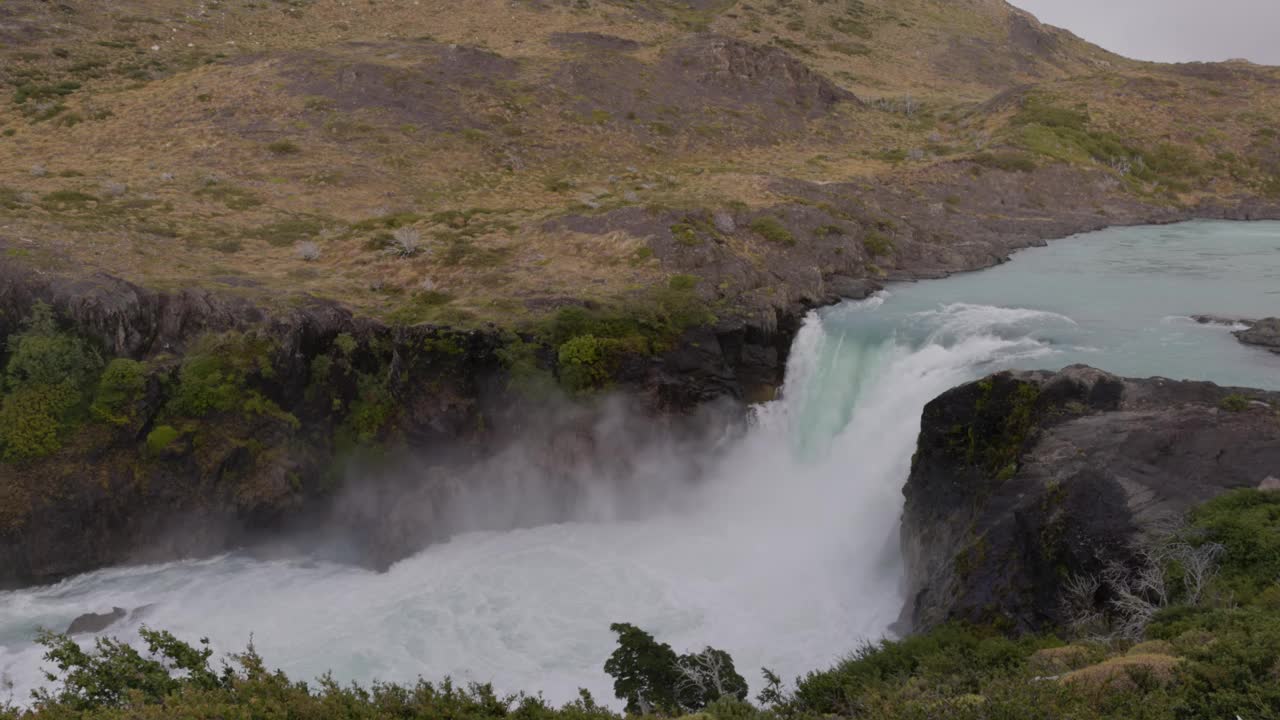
[
  {"x": 241, "y": 478},
  {"x": 1264, "y": 333},
  {"x": 96, "y": 622},
  {"x": 1022, "y": 480}
]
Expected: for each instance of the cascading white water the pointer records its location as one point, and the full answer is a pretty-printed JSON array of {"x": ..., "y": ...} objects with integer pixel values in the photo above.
[{"x": 785, "y": 554}]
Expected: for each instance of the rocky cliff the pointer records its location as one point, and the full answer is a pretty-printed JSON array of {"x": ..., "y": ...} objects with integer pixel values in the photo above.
[
  {"x": 1026, "y": 479},
  {"x": 199, "y": 422}
]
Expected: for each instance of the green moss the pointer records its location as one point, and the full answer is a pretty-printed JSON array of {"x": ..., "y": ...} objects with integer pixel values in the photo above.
[
  {"x": 67, "y": 199},
  {"x": 283, "y": 147},
  {"x": 686, "y": 234},
  {"x": 425, "y": 306},
  {"x": 289, "y": 232},
  {"x": 771, "y": 228},
  {"x": 1003, "y": 417},
  {"x": 1007, "y": 161},
  {"x": 161, "y": 439},
  {"x": 443, "y": 346},
  {"x": 235, "y": 198}
]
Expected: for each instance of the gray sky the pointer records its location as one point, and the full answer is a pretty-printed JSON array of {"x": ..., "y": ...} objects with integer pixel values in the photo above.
[{"x": 1171, "y": 30}]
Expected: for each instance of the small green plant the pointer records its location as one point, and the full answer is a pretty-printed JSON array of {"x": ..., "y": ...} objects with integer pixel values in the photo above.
[
  {"x": 878, "y": 244},
  {"x": 1007, "y": 161},
  {"x": 46, "y": 383},
  {"x": 283, "y": 147},
  {"x": 771, "y": 228},
  {"x": 161, "y": 438},
  {"x": 1234, "y": 402},
  {"x": 119, "y": 389}
]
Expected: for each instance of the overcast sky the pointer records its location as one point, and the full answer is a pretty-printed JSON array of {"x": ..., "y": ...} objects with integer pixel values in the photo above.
[{"x": 1171, "y": 30}]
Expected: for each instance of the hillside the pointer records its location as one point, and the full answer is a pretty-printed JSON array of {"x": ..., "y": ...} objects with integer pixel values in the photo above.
[{"x": 495, "y": 160}]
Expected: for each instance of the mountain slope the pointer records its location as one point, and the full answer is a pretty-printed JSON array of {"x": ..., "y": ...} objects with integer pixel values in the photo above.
[{"x": 492, "y": 160}]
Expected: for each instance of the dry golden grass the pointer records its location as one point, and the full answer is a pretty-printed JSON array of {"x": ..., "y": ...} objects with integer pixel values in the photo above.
[
  {"x": 204, "y": 188},
  {"x": 1118, "y": 673}
]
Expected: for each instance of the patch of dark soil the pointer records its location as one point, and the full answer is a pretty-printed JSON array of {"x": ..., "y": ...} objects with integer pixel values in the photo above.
[
  {"x": 432, "y": 91},
  {"x": 593, "y": 41},
  {"x": 708, "y": 89}
]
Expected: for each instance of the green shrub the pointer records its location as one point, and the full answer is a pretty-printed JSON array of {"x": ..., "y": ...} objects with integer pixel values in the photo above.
[
  {"x": 682, "y": 282},
  {"x": 771, "y": 228},
  {"x": 288, "y": 232},
  {"x": 46, "y": 385},
  {"x": 283, "y": 147},
  {"x": 585, "y": 362},
  {"x": 1247, "y": 524},
  {"x": 32, "y": 420},
  {"x": 119, "y": 389},
  {"x": 1038, "y": 110},
  {"x": 878, "y": 244},
  {"x": 1007, "y": 161},
  {"x": 1234, "y": 402},
  {"x": 371, "y": 412},
  {"x": 686, "y": 234},
  {"x": 214, "y": 376}
]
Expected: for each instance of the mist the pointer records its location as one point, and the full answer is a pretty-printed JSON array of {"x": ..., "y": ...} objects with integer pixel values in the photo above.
[{"x": 773, "y": 536}]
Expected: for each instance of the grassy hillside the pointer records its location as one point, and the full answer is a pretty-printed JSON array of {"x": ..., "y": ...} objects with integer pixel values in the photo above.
[{"x": 493, "y": 160}]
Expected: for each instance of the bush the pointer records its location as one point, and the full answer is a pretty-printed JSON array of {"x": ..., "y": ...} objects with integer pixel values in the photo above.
[
  {"x": 1007, "y": 161},
  {"x": 878, "y": 244},
  {"x": 46, "y": 382},
  {"x": 214, "y": 376},
  {"x": 1247, "y": 524},
  {"x": 119, "y": 389},
  {"x": 31, "y": 421},
  {"x": 586, "y": 362},
  {"x": 283, "y": 147},
  {"x": 772, "y": 229},
  {"x": 161, "y": 438},
  {"x": 1234, "y": 402},
  {"x": 650, "y": 677}
]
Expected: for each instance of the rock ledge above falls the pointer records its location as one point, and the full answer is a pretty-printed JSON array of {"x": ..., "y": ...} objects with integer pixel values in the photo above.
[{"x": 1024, "y": 479}]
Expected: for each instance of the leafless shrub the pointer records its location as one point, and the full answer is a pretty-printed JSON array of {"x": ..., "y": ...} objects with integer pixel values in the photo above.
[
  {"x": 308, "y": 251},
  {"x": 709, "y": 673},
  {"x": 39, "y": 171},
  {"x": 1140, "y": 589},
  {"x": 406, "y": 242},
  {"x": 113, "y": 189},
  {"x": 1080, "y": 603}
]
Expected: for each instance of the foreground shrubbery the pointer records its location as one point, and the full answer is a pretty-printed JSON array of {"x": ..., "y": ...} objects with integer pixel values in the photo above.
[{"x": 1216, "y": 658}]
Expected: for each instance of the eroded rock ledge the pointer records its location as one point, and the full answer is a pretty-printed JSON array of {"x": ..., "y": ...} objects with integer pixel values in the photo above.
[{"x": 1025, "y": 478}]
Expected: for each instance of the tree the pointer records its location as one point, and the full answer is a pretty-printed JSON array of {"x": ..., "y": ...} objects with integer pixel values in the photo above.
[
  {"x": 644, "y": 671},
  {"x": 650, "y": 677},
  {"x": 706, "y": 677}
]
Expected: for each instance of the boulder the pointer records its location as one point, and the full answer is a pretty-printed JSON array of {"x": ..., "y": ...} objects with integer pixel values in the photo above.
[
  {"x": 96, "y": 622},
  {"x": 1023, "y": 480},
  {"x": 1264, "y": 333}
]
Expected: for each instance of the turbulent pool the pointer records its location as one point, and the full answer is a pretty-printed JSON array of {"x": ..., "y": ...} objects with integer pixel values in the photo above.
[{"x": 785, "y": 554}]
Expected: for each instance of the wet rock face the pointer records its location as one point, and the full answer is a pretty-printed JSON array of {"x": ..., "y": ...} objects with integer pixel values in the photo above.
[
  {"x": 1023, "y": 479},
  {"x": 96, "y": 622},
  {"x": 1263, "y": 333}
]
